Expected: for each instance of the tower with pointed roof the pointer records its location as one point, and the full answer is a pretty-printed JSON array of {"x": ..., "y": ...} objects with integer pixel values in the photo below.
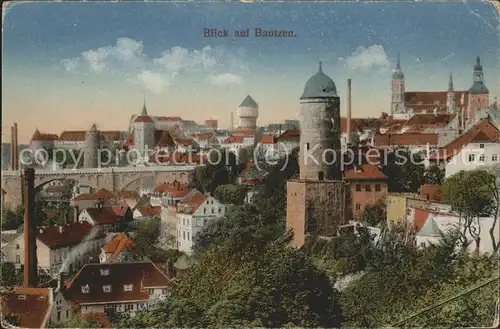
[
  {"x": 248, "y": 112},
  {"x": 143, "y": 128},
  {"x": 91, "y": 150},
  {"x": 317, "y": 201},
  {"x": 450, "y": 97},
  {"x": 398, "y": 90},
  {"x": 478, "y": 93}
]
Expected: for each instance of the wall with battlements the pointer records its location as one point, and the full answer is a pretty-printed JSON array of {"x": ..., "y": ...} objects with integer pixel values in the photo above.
[{"x": 112, "y": 179}]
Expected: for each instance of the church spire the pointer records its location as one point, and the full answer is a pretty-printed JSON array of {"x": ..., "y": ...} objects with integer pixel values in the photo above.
[
  {"x": 320, "y": 66},
  {"x": 398, "y": 63},
  {"x": 450, "y": 83},
  {"x": 144, "y": 109}
]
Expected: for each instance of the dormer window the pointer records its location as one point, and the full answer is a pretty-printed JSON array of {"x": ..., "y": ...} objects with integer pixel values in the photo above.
[
  {"x": 22, "y": 297},
  {"x": 85, "y": 289},
  {"x": 105, "y": 271},
  {"x": 106, "y": 288},
  {"x": 127, "y": 287}
]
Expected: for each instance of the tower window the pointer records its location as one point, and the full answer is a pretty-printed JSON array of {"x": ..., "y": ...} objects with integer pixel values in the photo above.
[
  {"x": 307, "y": 146},
  {"x": 321, "y": 175},
  {"x": 481, "y": 146}
]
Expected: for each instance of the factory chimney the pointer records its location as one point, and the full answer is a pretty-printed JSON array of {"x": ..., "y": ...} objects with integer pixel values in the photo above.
[
  {"x": 349, "y": 114},
  {"x": 30, "y": 261},
  {"x": 16, "y": 148},
  {"x": 232, "y": 121},
  {"x": 12, "y": 148}
]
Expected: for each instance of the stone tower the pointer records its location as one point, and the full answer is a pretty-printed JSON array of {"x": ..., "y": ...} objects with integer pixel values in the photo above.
[
  {"x": 248, "y": 112},
  {"x": 317, "y": 201},
  {"x": 144, "y": 131},
  {"x": 478, "y": 93},
  {"x": 398, "y": 90},
  {"x": 320, "y": 129},
  {"x": 92, "y": 145},
  {"x": 450, "y": 97}
]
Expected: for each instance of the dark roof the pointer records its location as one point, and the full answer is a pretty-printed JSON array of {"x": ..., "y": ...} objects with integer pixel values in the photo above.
[
  {"x": 319, "y": 85},
  {"x": 140, "y": 275},
  {"x": 249, "y": 102},
  {"x": 104, "y": 215},
  {"x": 66, "y": 235},
  {"x": 31, "y": 306}
]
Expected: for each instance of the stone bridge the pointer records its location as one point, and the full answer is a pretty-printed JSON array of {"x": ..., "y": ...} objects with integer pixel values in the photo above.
[{"x": 112, "y": 179}]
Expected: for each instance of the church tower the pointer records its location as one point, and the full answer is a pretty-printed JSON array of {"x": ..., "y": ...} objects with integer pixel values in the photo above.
[
  {"x": 398, "y": 90},
  {"x": 450, "y": 97},
  {"x": 478, "y": 93},
  {"x": 316, "y": 202},
  {"x": 144, "y": 132}
]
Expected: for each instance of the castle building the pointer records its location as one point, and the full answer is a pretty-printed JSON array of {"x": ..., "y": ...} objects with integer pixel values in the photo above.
[
  {"x": 317, "y": 201},
  {"x": 464, "y": 103}
]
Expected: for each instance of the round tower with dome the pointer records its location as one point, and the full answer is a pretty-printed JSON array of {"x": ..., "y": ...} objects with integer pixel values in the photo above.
[
  {"x": 92, "y": 145},
  {"x": 320, "y": 129}
]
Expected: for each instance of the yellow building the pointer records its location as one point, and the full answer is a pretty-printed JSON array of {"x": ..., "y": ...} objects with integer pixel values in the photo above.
[{"x": 396, "y": 207}]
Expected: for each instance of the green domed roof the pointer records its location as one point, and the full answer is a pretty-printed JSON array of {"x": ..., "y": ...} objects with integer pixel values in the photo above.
[
  {"x": 398, "y": 75},
  {"x": 319, "y": 86},
  {"x": 478, "y": 66},
  {"x": 478, "y": 88}
]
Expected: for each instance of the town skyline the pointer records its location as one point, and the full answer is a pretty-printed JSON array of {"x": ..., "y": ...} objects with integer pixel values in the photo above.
[{"x": 70, "y": 70}]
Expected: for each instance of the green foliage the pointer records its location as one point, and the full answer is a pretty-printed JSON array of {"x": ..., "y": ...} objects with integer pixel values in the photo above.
[
  {"x": 9, "y": 276},
  {"x": 231, "y": 194},
  {"x": 375, "y": 214},
  {"x": 12, "y": 218},
  {"x": 218, "y": 171},
  {"x": 405, "y": 171},
  {"x": 434, "y": 175}
]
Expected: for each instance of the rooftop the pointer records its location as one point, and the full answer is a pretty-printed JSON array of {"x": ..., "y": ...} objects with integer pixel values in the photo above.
[
  {"x": 31, "y": 306},
  {"x": 72, "y": 234}
]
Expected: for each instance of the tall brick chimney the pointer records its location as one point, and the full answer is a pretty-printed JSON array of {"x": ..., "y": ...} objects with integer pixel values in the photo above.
[
  {"x": 12, "y": 148},
  {"x": 30, "y": 261},
  {"x": 16, "y": 147},
  {"x": 349, "y": 114}
]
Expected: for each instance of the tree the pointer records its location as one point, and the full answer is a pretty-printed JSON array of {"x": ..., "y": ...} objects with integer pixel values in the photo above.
[
  {"x": 492, "y": 183},
  {"x": 434, "y": 175},
  {"x": 405, "y": 170},
  {"x": 77, "y": 322},
  {"x": 375, "y": 214},
  {"x": 12, "y": 219},
  {"x": 9, "y": 275},
  {"x": 231, "y": 194},
  {"x": 468, "y": 194}
]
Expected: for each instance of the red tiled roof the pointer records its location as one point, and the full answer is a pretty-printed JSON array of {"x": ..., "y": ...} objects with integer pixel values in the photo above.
[
  {"x": 150, "y": 211},
  {"x": 253, "y": 181},
  {"x": 407, "y": 139},
  {"x": 101, "y": 318},
  {"x": 120, "y": 210},
  {"x": 204, "y": 136},
  {"x": 431, "y": 192},
  {"x": 233, "y": 140},
  {"x": 183, "y": 141},
  {"x": 434, "y": 120},
  {"x": 101, "y": 194},
  {"x": 245, "y": 132},
  {"x": 247, "y": 168},
  {"x": 412, "y": 98},
  {"x": 290, "y": 135},
  {"x": 37, "y": 136},
  {"x": 139, "y": 275},
  {"x": 191, "y": 205},
  {"x": 128, "y": 195},
  {"x": 80, "y": 136},
  {"x": 163, "y": 138},
  {"x": 31, "y": 306},
  {"x": 110, "y": 135},
  {"x": 103, "y": 215},
  {"x": 143, "y": 118},
  {"x": 421, "y": 217},
  {"x": 364, "y": 172},
  {"x": 268, "y": 139},
  {"x": 168, "y": 118},
  {"x": 175, "y": 189},
  {"x": 120, "y": 242},
  {"x": 72, "y": 234},
  {"x": 482, "y": 131}
]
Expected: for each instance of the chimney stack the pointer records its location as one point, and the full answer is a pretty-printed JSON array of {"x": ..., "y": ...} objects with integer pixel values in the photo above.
[
  {"x": 30, "y": 260},
  {"x": 16, "y": 147},
  {"x": 12, "y": 148},
  {"x": 60, "y": 281},
  {"x": 232, "y": 120},
  {"x": 348, "y": 128}
]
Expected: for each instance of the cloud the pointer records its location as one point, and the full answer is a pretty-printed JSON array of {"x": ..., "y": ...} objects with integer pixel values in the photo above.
[
  {"x": 225, "y": 79},
  {"x": 363, "y": 59},
  {"x": 70, "y": 64},
  {"x": 153, "y": 81},
  {"x": 127, "y": 60}
]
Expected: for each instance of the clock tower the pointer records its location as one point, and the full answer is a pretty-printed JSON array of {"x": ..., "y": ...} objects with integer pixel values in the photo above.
[{"x": 478, "y": 93}]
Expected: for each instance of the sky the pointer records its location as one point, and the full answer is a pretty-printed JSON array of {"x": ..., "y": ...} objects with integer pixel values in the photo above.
[{"x": 67, "y": 65}]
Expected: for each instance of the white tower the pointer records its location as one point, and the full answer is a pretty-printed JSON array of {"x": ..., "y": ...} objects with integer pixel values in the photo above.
[
  {"x": 92, "y": 144},
  {"x": 144, "y": 131},
  {"x": 248, "y": 112}
]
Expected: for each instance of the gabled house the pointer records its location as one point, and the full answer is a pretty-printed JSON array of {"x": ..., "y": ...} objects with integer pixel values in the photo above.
[
  {"x": 108, "y": 219},
  {"x": 113, "y": 250},
  {"x": 118, "y": 288},
  {"x": 26, "y": 307}
]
